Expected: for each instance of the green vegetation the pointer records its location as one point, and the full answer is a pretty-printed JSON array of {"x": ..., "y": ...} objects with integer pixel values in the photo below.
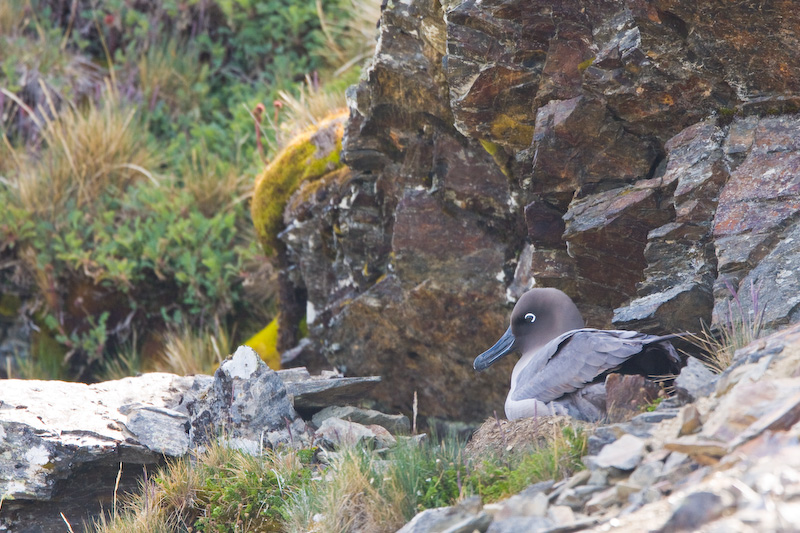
[
  {"x": 223, "y": 490},
  {"x": 220, "y": 490},
  {"x": 129, "y": 145},
  {"x": 654, "y": 404}
]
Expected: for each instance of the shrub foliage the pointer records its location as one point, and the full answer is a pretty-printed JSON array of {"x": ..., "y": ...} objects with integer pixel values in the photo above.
[{"x": 128, "y": 148}]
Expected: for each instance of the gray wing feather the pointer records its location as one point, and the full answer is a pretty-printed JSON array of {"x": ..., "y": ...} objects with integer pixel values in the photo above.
[{"x": 576, "y": 358}]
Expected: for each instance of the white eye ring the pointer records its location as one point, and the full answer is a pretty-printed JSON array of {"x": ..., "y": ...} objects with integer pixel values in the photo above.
[{"x": 530, "y": 317}]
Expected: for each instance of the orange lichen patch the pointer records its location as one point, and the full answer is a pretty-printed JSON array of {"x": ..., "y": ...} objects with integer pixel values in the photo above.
[
  {"x": 667, "y": 100},
  {"x": 307, "y": 157}
]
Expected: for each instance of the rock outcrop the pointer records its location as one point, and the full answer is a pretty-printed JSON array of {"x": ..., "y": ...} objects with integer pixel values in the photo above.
[
  {"x": 62, "y": 445},
  {"x": 640, "y": 156},
  {"x": 726, "y": 462},
  {"x": 411, "y": 250}
]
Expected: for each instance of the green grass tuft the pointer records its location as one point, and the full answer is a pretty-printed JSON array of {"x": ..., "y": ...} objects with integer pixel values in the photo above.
[{"x": 223, "y": 490}]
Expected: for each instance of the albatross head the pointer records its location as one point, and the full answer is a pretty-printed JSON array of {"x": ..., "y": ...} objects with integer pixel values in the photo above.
[{"x": 540, "y": 316}]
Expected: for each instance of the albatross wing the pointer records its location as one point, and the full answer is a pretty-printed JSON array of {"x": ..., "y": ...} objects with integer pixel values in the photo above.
[{"x": 572, "y": 360}]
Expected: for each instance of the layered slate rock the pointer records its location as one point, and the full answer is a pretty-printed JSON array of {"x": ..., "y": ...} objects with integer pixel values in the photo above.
[
  {"x": 393, "y": 423},
  {"x": 727, "y": 462},
  {"x": 756, "y": 224},
  {"x": 603, "y": 148},
  {"x": 681, "y": 262},
  {"x": 404, "y": 258},
  {"x": 737, "y": 202},
  {"x": 247, "y": 398},
  {"x": 310, "y": 394}
]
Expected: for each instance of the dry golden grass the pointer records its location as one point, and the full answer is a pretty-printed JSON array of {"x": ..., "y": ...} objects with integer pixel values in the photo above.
[
  {"x": 348, "y": 501},
  {"x": 307, "y": 110},
  {"x": 12, "y": 16},
  {"x": 213, "y": 186},
  {"x": 742, "y": 324},
  {"x": 87, "y": 152},
  {"x": 350, "y": 40},
  {"x": 498, "y": 437},
  {"x": 189, "y": 489},
  {"x": 187, "y": 352},
  {"x": 155, "y": 507}
]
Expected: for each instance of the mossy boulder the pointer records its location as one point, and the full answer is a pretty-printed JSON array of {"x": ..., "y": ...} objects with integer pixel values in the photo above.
[{"x": 308, "y": 157}]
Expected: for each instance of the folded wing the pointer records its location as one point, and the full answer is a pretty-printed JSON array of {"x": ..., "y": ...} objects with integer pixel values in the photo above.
[{"x": 571, "y": 361}]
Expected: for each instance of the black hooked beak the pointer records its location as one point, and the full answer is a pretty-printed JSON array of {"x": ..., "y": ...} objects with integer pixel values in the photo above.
[{"x": 504, "y": 346}]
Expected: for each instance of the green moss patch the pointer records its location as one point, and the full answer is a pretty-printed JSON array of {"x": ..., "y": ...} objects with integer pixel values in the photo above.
[{"x": 307, "y": 158}]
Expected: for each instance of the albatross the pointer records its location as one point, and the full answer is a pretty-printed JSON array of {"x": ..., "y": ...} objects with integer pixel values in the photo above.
[{"x": 564, "y": 364}]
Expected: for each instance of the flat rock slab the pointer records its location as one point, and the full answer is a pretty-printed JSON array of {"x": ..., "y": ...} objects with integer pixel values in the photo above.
[
  {"x": 47, "y": 426},
  {"x": 624, "y": 454},
  {"x": 336, "y": 433},
  {"x": 393, "y": 423},
  {"x": 62, "y": 444},
  {"x": 466, "y": 517},
  {"x": 316, "y": 393}
]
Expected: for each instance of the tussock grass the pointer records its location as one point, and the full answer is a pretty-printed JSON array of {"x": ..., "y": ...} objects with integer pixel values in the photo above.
[
  {"x": 500, "y": 476},
  {"x": 312, "y": 105},
  {"x": 742, "y": 324},
  {"x": 354, "y": 495},
  {"x": 12, "y": 16},
  {"x": 349, "y": 42},
  {"x": 220, "y": 489},
  {"x": 358, "y": 492},
  {"x": 171, "y": 73},
  {"x": 361, "y": 494},
  {"x": 215, "y": 186},
  {"x": 351, "y": 39},
  {"x": 187, "y": 352},
  {"x": 127, "y": 362},
  {"x": 87, "y": 152},
  {"x": 184, "y": 351}
]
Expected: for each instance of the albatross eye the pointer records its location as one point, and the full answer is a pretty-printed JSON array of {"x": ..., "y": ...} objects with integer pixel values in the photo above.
[{"x": 530, "y": 317}]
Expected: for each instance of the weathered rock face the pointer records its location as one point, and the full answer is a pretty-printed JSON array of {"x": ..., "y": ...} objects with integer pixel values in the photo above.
[
  {"x": 726, "y": 462},
  {"x": 639, "y": 155},
  {"x": 411, "y": 248},
  {"x": 62, "y": 445}
]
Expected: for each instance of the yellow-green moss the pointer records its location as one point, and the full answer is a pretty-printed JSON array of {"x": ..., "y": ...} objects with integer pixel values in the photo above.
[
  {"x": 9, "y": 305},
  {"x": 497, "y": 153},
  {"x": 491, "y": 148},
  {"x": 302, "y": 160},
  {"x": 265, "y": 343},
  {"x": 302, "y": 328},
  {"x": 586, "y": 64},
  {"x": 307, "y": 189},
  {"x": 512, "y": 131}
]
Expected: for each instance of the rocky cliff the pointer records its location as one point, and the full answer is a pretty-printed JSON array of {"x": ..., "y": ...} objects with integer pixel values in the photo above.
[{"x": 641, "y": 155}]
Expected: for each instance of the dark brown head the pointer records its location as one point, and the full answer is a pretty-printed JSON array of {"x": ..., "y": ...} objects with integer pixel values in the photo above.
[{"x": 540, "y": 316}]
